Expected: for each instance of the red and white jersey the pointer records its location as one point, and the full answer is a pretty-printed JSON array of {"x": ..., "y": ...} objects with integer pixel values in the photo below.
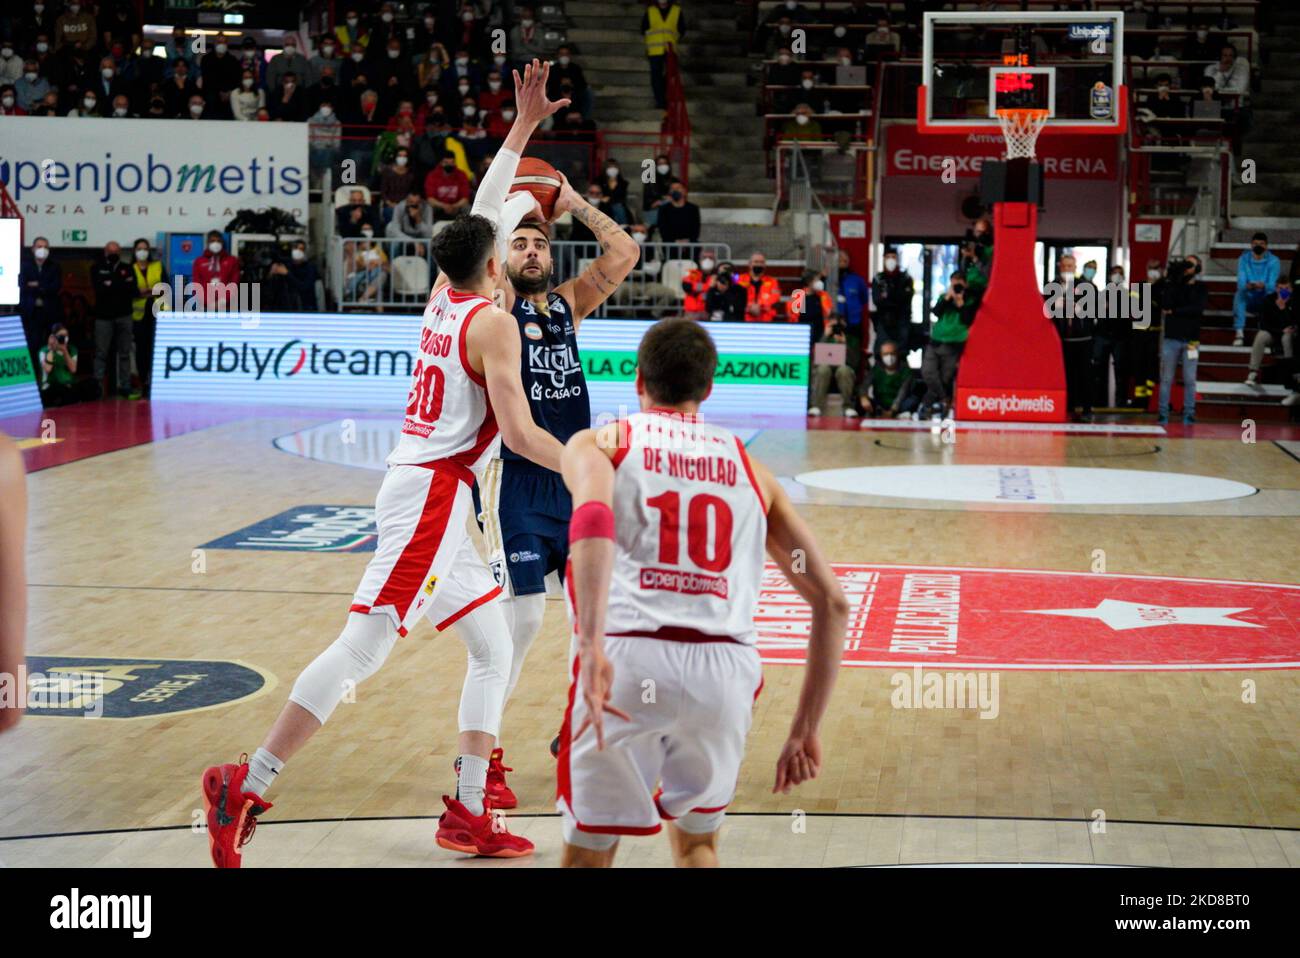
[
  {"x": 690, "y": 526},
  {"x": 448, "y": 413}
]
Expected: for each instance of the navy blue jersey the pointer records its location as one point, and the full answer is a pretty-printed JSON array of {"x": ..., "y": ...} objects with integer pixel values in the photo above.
[{"x": 550, "y": 369}]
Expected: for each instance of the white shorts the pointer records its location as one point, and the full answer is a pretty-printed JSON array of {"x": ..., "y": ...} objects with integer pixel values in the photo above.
[
  {"x": 425, "y": 562},
  {"x": 687, "y": 741}
]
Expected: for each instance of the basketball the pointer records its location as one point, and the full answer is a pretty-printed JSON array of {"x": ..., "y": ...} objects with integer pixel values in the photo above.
[{"x": 541, "y": 179}]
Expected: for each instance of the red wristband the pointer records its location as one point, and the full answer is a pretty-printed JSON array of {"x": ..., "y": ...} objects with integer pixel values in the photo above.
[{"x": 591, "y": 520}]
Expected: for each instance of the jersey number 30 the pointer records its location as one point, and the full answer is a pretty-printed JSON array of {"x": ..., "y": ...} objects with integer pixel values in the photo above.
[{"x": 425, "y": 399}]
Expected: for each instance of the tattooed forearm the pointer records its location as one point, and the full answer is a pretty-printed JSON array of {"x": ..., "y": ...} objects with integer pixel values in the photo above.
[{"x": 601, "y": 226}]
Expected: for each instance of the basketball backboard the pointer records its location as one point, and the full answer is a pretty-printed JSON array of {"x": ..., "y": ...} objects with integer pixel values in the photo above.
[{"x": 1068, "y": 63}]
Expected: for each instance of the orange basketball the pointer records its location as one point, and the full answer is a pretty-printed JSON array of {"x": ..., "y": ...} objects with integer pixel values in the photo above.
[{"x": 539, "y": 178}]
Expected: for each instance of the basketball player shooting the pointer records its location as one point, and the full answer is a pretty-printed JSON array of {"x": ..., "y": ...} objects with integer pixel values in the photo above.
[
  {"x": 525, "y": 508},
  {"x": 670, "y": 521},
  {"x": 465, "y": 391}
]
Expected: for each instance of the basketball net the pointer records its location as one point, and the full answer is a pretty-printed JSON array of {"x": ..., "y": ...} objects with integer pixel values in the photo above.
[{"x": 1020, "y": 128}]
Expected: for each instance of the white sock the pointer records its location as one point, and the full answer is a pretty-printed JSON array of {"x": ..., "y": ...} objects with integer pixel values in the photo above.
[
  {"x": 472, "y": 782},
  {"x": 262, "y": 769}
]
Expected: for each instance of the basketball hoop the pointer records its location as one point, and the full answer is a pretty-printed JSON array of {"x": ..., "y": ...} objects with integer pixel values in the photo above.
[{"x": 1020, "y": 128}]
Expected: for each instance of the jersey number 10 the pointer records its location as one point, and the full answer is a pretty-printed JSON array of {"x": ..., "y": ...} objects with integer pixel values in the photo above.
[{"x": 669, "y": 505}]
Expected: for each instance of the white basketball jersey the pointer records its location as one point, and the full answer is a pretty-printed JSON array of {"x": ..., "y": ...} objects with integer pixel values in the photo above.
[
  {"x": 448, "y": 415},
  {"x": 690, "y": 527}
]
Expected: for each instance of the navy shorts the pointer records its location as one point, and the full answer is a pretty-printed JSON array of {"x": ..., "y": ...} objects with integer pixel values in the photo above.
[{"x": 523, "y": 510}]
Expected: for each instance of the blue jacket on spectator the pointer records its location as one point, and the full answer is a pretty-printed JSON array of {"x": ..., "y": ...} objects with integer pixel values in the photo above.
[
  {"x": 852, "y": 298},
  {"x": 1251, "y": 270}
]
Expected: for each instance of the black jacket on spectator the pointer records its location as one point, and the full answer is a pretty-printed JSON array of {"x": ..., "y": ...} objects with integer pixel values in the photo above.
[
  {"x": 345, "y": 226},
  {"x": 177, "y": 98},
  {"x": 220, "y": 75},
  {"x": 1273, "y": 318},
  {"x": 302, "y": 277},
  {"x": 40, "y": 281},
  {"x": 115, "y": 288},
  {"x": 573, "y": 73},
  {"x": 679, "y": 223},
  {"x": 292, "y": 111},
  {"x": 1080, "y": 323},
  {"x": 1186, "y": 302},
  {"x": 892, "y": 291},
  {"x": 730, "y": 302}
]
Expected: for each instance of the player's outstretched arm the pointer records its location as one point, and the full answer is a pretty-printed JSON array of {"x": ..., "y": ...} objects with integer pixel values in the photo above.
[
  {"x": 791, "y": 545},
  {"x": 589, "y": 474},
  {"x": 618, "y": 255},
  {"x": 494, "y": 338},
  {"x": 13, "y": 574}
]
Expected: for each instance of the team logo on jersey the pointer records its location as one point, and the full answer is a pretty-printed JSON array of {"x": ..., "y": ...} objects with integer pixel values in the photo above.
[
  {"x": 498, "y": 571},
  {"x": 429, "y": 586},
  {"x": 307, "y": 529},
  {"x": 532, "y": 331},
  {"x": 527, "y": 555},
  {"x": 121, "y": 688}
]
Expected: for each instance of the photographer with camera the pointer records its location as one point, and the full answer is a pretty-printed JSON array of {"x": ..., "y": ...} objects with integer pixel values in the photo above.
[
  {"x": 832, "y": 362},
  {"x": 1182, "y": 306},
  {"x": 724, "y": 299},
  {"x": 954, "y": 312},
  {"x": 59, "y": 383}
]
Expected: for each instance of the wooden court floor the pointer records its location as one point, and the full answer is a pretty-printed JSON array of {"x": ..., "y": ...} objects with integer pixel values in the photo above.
[{"x": 1181, "y": 770}]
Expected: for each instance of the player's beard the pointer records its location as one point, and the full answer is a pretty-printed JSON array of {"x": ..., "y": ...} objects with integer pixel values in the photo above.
[{"x": 528, "y": 285}]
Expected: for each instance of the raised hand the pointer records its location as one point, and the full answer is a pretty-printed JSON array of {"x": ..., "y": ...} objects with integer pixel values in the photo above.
[{"x": 531, "y": 103}]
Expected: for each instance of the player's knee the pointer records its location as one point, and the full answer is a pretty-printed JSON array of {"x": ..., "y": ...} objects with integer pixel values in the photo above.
[
  {"x": 527, "y": 612},
  {"x": 367, "y": 640},
  {"x": 591, "y": 841},
  {"x": 700, "y": 825},
  {"x": 352, "y": 658},
  {"x": 488, "y": 642}
]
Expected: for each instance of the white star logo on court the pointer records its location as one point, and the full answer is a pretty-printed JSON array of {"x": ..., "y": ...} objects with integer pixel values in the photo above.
[{"x": 1120, "y": 615}]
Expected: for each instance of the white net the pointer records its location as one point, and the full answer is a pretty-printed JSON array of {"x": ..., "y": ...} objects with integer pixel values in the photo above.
[{"x": 1020, "y": 128}]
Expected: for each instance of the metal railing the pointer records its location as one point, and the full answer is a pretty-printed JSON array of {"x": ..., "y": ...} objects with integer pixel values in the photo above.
[{"x": 400, "y": 273}]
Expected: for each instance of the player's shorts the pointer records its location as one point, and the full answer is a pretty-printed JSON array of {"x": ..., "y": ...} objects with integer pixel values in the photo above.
[
  {"x": 681, "y": 751},
  {"x": 425, "y": 562},
  {"x": 524, "y": 512}
]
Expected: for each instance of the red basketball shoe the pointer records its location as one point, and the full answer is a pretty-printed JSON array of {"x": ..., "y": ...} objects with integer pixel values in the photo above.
[
  {"x": 478, "y": 834},
  {"x": 231, "y": 811},
  {"x": 497, "y": 789}
]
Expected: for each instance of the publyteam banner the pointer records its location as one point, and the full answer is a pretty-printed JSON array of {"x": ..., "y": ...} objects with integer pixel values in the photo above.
[
  {"x": 364, "y": 361},
  {"x": 86, "y": 182},
  {"x": 18, "y": 390}
]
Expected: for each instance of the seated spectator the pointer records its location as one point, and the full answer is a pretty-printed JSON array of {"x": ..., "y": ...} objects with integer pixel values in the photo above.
[
  {"x": 655, "y": 193},
  {"x": 58, "y": 365},
  {"x": 472, "y": 134},
  {"x": 954, "y": 314},
  {"x": 575, "y": 127},
  {"x": 324, "y": 134},
  {"x": 784, "y": 72},
  {"x": 579, "y": 232},
  {"x": 353, "y": 218},
  {"x": 11, "y": 64},
  {"x": 725, "y": 299},
  {"x": 396, "y": 180},
  {"x": 288, "y": 102},
  {"x": 198, "y": 109},
  {"x": 431, "y": 66},
  {"x": 122, "y": 107},
  {"x": 247, "y": 100},
  {"x": 393, "y": 74},
  {"x": 447, "y": 188},
  {"x": 368, "y": 112},
  {"x": 495, "y": 93},
  {"x": 157, "y": 109},
  {"x": 351, "y": 33},
  {"x": 1277, "y": 327},
  {"x": 831, "y": 331},
  {"x": 1257, "y": 274},
  {"x": 326, "y": 87},
  {"x": 499, "y": 122},
  {"x": 763, "y": 292},
  {"x": 527, "y": 38},
  {"x": 366, "y": 273},
  {"x": 462, "y": 78},
  {"x": 108, "y": 84},
  {"x": 679, "y": 221},
  {"x": 383, "y": 32},
  {"x": 326, "y": 56},
  {"x": 413, "y": 219},
  {"x": 217, "y": 274},
  {"x": 565, "y": 73},
  {"x": 614, "y": 189},
  {"x": 882, "y": 41},
  {"x": 288, "y": 60},
  {"x": 802, "y": 126},
  {"x": 76, "y": 27},
  {"x": 780, "y": 37},
  {"x": 1230, "y": 74},
  {"x": 437, "y": 139},
  {"x": 87, "y": 107},
  {"x": 179, "y": 89},
  {"x": 31, "y": 87},
  {"x": 9, "y": 102},
  {"x": 354, "y": 74},
  {"x": 293, "y": 283},
  {"x": 887, "y": 391},
  {"x": 695, "y": 284}
]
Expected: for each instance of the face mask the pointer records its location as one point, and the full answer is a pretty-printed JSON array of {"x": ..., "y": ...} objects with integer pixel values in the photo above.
[
  {"x": 639, "y": 237},
  {"x": 499, "y": 61},
  {"x": 468, "y": 16},
  {"x": 564, "y": 61},
  {"x": 141, "y": 255},
  {"x": 846, "y": 61},
  {"x": 611, "y": 171},
  {"x": 757, "y": 270},
  {"x": 462, "y": 64},
  {"x": 221, "y": 49},
  {"x": 41, "y": 252},
  {"x": 182, "y": 75},
  {"x": 298, "y": 255},
  {"x": 1162, "y": 89},
  {"x": 119, "y": 111},
  {"x": 106, "y": 73},
  {"x": 1153, "y": 274},
  {"x": 525, "y": 23},
  {"x": 42, "y": 48},
  {"x": 326, "y": 111},
  {"x": 891, "y": 264},
  {"x": 1202, "y": 34},
  {"x": 7, "y": 102},
  {"x": 1089, "y": 272},
  {"x": 327, "y": 51},
  {"x": 595, "y": 199},
  {"x": 783, "y": 59},
  {"x": 662, "y": 168},
  {"x": 1117, "y": 277},
  {"x": 431, "y": 99},
  {"x": 74, "y": 8},
  {"x": 507, "y": 114},
  {"x": 29, "y": 76},
  {"x": 1257, "y": 247},
  {"x": 888, "y": 359},
  {"x": 818, "y": 285},
  {"x": 88, "y": 103},
  {"x": 214, "y": 247},
  {"x": 706, "y": 264},
  {"x": 247, "y": 83},
  {"x": 494, "y": 85},
  {"x": 785, "y": 29},
  {"x": 448, "y": 167},
  {"x": 393, "y": 54},
  {"x": 289, "y": 84},
  {"x": 807, "y": 84},
  {"x": 428, "y": 23},
  {"x": 676, "y": 194},
  {"x": 352, "y": 22},
  {"x": 367, "y": 232},
  {"x": 358, "y": 57},
  {"x": 6, "y": 52},
  {"x": 290, "y": 51},
  {"x": 801, "y": 119},
  {"x": 469, "y": 110},
  {"x": 840, "y": 31}
]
